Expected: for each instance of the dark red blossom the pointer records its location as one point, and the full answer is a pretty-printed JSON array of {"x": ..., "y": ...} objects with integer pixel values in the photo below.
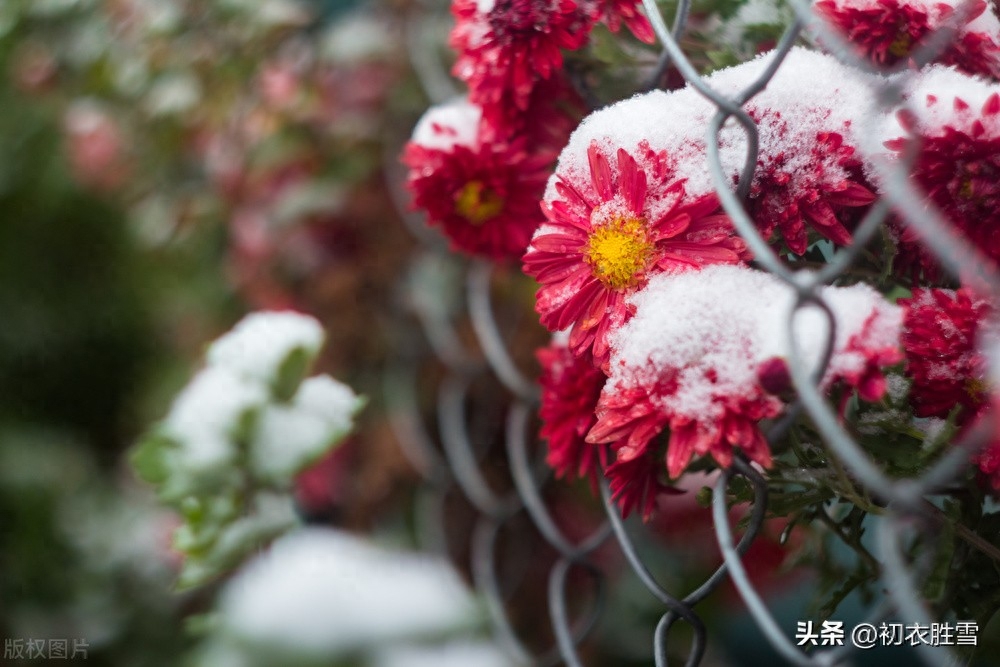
[
  {"x": 889, "y": 31},
  {"x": 506, "y": 46},
  {"x": 570, "y": 389},
  {"x": 826, "y": 192},
  {"x": 940, "y": 331},
  {"x": 958, "y": 167},
  {"x": 608, "y": 233},
  {"x": 554, "y": 110},
  {"x": 482, "y": 194},
  {"x": 884, "y": 31},
  {"x": 942, "y": 338}
]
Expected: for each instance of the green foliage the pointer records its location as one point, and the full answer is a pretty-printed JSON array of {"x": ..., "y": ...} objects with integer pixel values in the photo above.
[{"x": 237, "y": 436}]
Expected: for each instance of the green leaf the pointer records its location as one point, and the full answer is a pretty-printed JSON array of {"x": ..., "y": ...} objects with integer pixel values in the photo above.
[
  {"x": 148, "y": 458},
  {"x": 291, "y": 373}
]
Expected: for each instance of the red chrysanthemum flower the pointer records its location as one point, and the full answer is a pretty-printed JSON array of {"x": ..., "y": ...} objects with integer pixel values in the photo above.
[
  {"x": 635, "y": 485},
  {"x": 616, "y": 12},
  {"x": 483, "y": 195},
  {"x": 941, "y": 336},
  {"x": 888, "y": 31},
  {"x": 570, "y": 389},
  {"x": 506, "y": 46},
  {"x": 823, "y": 188},
  {"x": 885, "y": 31},
  {"x": 940, "y": 330},
  {"x": 810, "y": 180},
  {"x": 695, "y": 357},
  {"x": 613, "y": 230},
  {"x": 958, "y": 167}
]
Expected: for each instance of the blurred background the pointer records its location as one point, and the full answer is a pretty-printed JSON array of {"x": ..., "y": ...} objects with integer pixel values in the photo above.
[{"x": 167, "y": 166}]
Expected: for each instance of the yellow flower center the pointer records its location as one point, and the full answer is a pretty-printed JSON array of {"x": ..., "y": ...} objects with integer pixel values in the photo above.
[
  {"x": 967, "y": 191},
  {"x": 619, "y": 251},
  {"x": 477, "y": 203},
  {"x": 976, "y": 388},
  {"x": 900, "y": 46}
]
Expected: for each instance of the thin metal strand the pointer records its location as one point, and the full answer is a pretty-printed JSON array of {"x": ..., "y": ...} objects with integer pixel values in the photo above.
[
  {"x": 489, "y": 336},
  {"x": 737, "y": 573}
]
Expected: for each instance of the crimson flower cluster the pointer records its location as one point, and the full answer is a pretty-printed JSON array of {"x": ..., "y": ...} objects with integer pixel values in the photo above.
[
  {"x": 942, "y": 332},
  {"x": 635, "y": 232},
  {"x": 479, "y": 174},
  {"x": 890, "y": 31},
  {"x": 957, "y": 165},
  {"x": 668, "y": 347}
]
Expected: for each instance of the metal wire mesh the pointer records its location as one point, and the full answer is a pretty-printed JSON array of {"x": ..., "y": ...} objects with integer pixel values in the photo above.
[{"x": 456, "y": 466}]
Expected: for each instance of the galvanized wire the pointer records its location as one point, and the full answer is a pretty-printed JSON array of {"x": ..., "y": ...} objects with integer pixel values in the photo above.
[{"x": 457, "y": 463}]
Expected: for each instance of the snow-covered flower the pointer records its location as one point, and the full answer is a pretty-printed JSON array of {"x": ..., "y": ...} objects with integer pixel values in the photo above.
[
  {"x": 809, "y": 174},
  {"x": 940, "y": 338},
  {"x": 955, "y": 120},
  {"x": 506, "y": 46},
  {"x": 629, "y": 218},
  {"x": 483, "y": 194},
  {"x": 207, "y": 417},
  {"x": 690, "y": 358},
  {"x": 570, "y": 389},
  {"x": 888, "y": 31}
]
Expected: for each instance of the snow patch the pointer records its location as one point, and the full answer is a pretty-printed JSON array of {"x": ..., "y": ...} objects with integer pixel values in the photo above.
[
  {"x": 455, "y": 123},
  {"x": 324, "y": 592},
  {"x": 714, "y": 327}
]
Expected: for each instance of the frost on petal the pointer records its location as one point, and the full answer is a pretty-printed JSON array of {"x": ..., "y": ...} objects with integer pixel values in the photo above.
[
  {"x": 291, "y": 436},
  {"x": 274, "y": 348},
  {"x": 627, "y": 217},
  {"x": 323, "y": 593}
]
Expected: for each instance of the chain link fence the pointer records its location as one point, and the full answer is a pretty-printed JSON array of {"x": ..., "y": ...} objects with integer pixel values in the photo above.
[{"x": 451, "y": 462}]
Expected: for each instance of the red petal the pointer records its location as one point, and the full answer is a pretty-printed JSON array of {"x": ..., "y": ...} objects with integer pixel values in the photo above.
[
  {"x": 600, "y": 173},
  {"x": 992, "y": 105},
  {"x": 681, "y": 448},
  {"x": 632, "y": 182}
]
